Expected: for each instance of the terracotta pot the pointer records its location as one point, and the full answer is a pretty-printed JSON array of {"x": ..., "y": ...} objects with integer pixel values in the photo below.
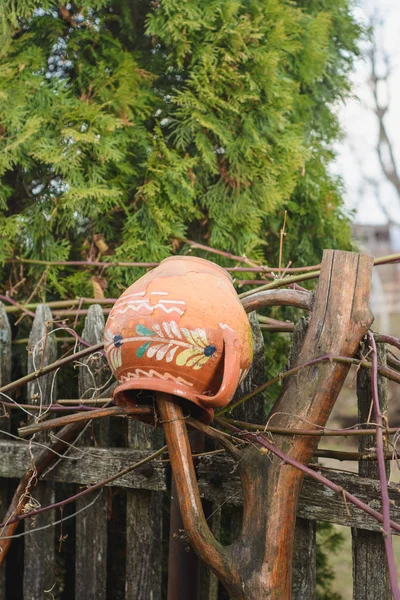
[{"x": 180, "y": 329}]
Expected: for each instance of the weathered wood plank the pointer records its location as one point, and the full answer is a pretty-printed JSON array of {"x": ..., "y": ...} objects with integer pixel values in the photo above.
[
  {"x": 218, "y": 482},
  {"x": 91, "y": 525},
  {"x": 370, "y": 572},
  {"x": 88, "y": 465},
  {"x": 39, "y": 550},
  {"x": 5, "y": 377},
  {"x": 143, "y": 525},
  {"x": 144, "y": 534}
]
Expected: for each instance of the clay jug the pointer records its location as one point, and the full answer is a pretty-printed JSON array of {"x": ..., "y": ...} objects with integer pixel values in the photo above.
[{"x": 180, "y": 329}]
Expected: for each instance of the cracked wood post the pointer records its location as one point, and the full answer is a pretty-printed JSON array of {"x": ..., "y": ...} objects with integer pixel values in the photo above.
[
  {"x": 91, "y": 525},
  {"x": 5, "y": 377},
  {"x": 39, "y": 549},
  {"x": 258, "y": 564}
]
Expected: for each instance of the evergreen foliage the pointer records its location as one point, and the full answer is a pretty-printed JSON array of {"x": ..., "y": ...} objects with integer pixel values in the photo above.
[{"x": 147, "y": 121}]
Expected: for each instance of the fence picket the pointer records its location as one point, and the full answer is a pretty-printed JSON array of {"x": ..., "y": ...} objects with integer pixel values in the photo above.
[
  {"x": 5, "y": 377},
  {"x": 143, "y": 578},
  {"x": 304, "y": 554},
  {"x": 91, "y": 525},
  {"x": 39, "y": 548},
  {"x": 143, "y": 527},
  {"x": 304, "y": 560},
  {"x": 370, "y": 573}
]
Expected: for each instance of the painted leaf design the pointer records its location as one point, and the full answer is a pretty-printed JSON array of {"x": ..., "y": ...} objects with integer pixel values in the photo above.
[
  {"x": 158, "y": 330},
  {"x": 192, "y": 361},
  {"x": 142, "y": 330},
  {"x": 142, "y": 349},
  {"x": 115, "y": 358},
  {"x": 188, "y": 336},
  {"x": 201, "y": 362},
  {"x": 162, "y": 352},
  {"x": 167, "y": 329},
  {"x": 171, "y": 354},
  {"x": 169, "y": 339},
  {"x": 175, "y": 329},
  {"x": 184, "y": 356},
  {"x": 153, "y": 349},
  {"x": 199, "y": 336}
]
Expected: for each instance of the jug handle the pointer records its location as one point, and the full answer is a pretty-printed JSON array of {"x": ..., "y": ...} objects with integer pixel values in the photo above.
[{"x": 230, "y": 381}]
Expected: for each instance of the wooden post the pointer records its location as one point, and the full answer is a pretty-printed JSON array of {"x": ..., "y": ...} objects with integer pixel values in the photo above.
[
  {"x": 143, "y": 528},
  {"x": 304, "y": 549},
  {"x": 91, "y": 525},
  {"x": 339, "y": 319},
  {"x": 5, "y": 377},
  {"x": 39, "y": 548},
  {"x": 259, "y": 564},
  {"x": 370, "y": 572},
  {"x": 304, "y": 560}
]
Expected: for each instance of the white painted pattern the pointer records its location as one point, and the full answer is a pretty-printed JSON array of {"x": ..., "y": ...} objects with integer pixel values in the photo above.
[
  {"x": 123, "y": 298},
  {"x": 225, "y": 326},
  {"x": 144, "y": 307},
  {"x": 152, "y": 373}
]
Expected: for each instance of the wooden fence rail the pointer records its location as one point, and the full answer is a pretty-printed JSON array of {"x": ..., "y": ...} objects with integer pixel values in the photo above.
[{"x": 116, "y": 545}]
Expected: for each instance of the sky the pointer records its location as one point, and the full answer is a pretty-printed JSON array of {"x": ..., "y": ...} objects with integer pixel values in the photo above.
[{"x": 357, "y": 161}]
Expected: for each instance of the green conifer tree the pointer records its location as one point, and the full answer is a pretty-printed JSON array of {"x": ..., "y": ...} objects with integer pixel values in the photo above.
[
  {"x": 128, "y": 125},
  {"x": 144, "y": 122}
]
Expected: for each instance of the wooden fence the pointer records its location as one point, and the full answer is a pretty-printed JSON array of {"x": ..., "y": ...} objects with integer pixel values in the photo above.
[{"x": 114, "y": 543}]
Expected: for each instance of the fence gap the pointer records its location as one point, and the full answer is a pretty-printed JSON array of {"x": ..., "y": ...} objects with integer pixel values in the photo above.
[
  {"x": 5, "y": 377},
  {"x": 39, "y": 550},
  {"x": 91, "y": 524},
  {"x": 370, "y": 573}
]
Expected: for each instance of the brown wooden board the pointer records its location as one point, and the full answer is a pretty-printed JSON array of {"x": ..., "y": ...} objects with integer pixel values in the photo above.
[
  {"x": 39, "y": 550},
  {"x": 218, "y": 482},
  {"x": 144, "y": 525},
  {"x": 91, "y": 524}
]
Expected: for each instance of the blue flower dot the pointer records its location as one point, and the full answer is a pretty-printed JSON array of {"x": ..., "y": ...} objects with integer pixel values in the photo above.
[
  {"x": 118, "y": 340},
  {"x": 209, "y": 350}
]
